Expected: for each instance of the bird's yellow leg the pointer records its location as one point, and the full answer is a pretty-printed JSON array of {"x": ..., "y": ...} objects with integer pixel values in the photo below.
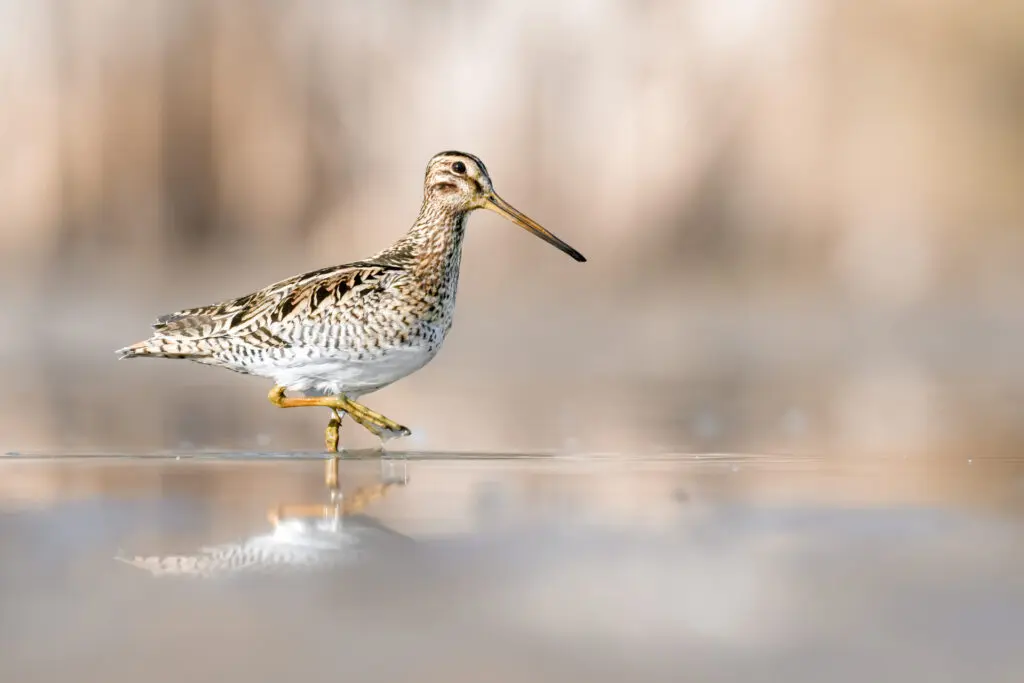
[
  {"x": 377, "y": 424},
  {"x": 331, "y": 433},
  {"x": 331, "y": 443}
]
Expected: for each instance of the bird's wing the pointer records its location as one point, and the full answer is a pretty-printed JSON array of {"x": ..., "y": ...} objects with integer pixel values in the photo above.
[{"x": 298, "y": 296}]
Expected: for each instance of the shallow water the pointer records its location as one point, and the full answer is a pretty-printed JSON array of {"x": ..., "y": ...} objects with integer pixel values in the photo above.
[{"x": 473, "y": 568}]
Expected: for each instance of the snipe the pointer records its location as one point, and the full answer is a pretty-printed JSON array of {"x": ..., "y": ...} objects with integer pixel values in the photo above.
[{"x": 341, "y": 332}]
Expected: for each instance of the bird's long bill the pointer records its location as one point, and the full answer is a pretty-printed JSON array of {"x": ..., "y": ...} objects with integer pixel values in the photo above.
[{"x": 503, "y": 208}]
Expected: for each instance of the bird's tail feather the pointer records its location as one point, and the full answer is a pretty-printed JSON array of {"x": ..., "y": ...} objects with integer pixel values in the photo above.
[{"x": 161, "y": 347}]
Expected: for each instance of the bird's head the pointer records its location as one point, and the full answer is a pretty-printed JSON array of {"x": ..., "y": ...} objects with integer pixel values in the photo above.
[{"x": 460, "y": 182}]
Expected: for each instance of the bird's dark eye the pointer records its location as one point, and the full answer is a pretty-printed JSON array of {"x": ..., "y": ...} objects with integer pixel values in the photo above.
[{"x": 459, "y": 167}]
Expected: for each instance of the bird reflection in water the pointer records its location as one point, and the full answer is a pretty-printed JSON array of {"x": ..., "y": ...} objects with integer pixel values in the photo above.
[{"x": 304, "y": 535}]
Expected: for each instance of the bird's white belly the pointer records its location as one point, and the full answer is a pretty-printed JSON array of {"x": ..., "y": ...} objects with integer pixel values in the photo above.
[{"x": 311, "y": 370}]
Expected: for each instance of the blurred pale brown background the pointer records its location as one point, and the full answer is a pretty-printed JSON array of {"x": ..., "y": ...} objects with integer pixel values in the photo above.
[{"x": 804, "y": 220}]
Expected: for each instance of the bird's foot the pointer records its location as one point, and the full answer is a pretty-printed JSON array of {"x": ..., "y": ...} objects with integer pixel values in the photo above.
[
  {"x": 378, "y": 425},
  {"x": 386, "y": 433}
]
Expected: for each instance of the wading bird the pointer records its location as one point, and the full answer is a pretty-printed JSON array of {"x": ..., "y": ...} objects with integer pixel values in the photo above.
[{"x": 341, "y": 332}]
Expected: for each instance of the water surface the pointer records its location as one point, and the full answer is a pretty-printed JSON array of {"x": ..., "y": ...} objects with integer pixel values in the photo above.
[{"x": 442, "y": 568}]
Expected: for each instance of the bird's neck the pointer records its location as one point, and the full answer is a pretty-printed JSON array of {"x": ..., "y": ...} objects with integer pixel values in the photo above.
[{"x": 435, "y": 245}]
